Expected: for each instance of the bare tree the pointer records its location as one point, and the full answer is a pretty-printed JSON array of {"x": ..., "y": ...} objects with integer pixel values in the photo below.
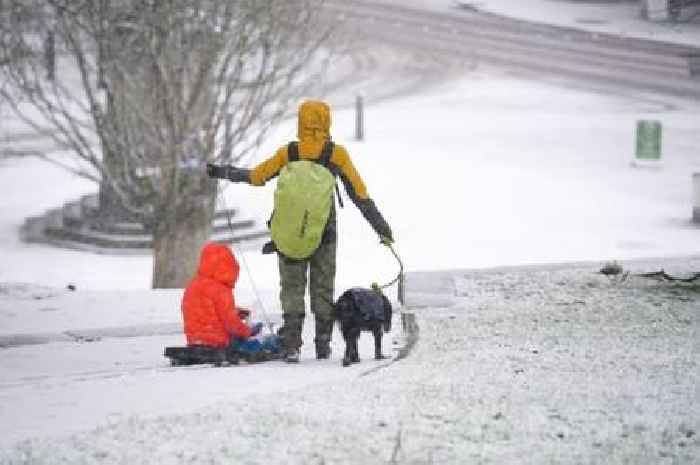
[{"x": 142, "y": 92}]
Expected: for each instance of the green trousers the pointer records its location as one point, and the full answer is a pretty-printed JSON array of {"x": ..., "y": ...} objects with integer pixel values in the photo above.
[{"x": 320, "y": 269}]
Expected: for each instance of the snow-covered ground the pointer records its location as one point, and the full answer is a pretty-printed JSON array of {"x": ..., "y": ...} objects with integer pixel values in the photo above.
[
  {"x": 623, "y": 18},
  {"x": 618, "y": 17},
  {"x": 543, "y": 365},
  {"x": 548, "y": 364},
  {"x": 74, "y": 361},
  {"x": 486, "y": 171}
]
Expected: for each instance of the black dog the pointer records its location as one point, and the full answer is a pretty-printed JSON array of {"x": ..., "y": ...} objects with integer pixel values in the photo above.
[{"x": 361, "y": 309}]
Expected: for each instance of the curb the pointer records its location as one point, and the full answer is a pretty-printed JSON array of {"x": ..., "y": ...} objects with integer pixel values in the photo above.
[
  {"x": 411, "y": 333},
  {"x": 408, "y": 338}
]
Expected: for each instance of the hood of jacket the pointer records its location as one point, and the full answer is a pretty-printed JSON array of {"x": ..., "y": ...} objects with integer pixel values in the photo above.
[
  {"x": 313, "y": 126},
  {"x": 217, "y": 262}
]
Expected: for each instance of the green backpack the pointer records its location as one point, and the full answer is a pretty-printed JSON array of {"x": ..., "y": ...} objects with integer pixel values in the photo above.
[{"x": 303, "y": 201}]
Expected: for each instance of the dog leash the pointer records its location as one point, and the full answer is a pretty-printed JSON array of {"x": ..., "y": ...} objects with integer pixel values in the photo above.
[{"x": 398, "y": 278}]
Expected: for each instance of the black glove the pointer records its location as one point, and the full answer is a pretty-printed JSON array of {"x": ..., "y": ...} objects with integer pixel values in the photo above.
[
  {"x": 269, "y": 248},
  {"x": 229, "y": 172},
  {"x": 216, "y": 171}
]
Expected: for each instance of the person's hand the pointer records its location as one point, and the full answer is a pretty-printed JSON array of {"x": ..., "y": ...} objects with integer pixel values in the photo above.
[
  {"x": 229, "y": 172},
  {"x": 269, "y": 248},
  {"x": 243, "y": 313},
  {"x": 234, "y": 174},
  {"x": 256, "y": 328},
  {"x": 217, "y": 171}
]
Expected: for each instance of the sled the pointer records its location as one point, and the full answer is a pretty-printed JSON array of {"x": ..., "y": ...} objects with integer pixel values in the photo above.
[{"x": 199, "y": 355}]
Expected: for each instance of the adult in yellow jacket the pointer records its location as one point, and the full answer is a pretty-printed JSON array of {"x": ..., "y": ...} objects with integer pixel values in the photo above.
[{"x": 313, "y": 132}]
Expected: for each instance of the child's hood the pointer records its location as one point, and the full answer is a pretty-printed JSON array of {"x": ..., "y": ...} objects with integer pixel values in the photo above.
[{"x": 217, "y": 262}]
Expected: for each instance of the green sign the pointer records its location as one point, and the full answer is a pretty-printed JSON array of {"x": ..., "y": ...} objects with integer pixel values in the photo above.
[{"x": 648, "y": 140}]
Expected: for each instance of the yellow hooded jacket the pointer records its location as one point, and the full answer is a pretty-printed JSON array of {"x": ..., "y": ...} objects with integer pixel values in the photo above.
[{"x": 313, "y": 130}]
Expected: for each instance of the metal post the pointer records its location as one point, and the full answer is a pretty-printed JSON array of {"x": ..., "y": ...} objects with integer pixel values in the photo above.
[
  {"x": 696, "y": 197},
  {"x": 359, "y": 119}
]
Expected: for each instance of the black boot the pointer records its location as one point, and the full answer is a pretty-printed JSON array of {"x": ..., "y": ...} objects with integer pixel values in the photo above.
[
  {"x": 290, "y": 335},
  {"x": 291, "y": 356},
  {"x": 324, "y": 329}
]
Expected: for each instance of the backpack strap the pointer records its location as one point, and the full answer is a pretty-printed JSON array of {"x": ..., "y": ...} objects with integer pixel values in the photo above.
[
  {"x": 325, "y": 160},
  {"x": 293, "y": 151},
  {"x": 326, "y": 153},
  {"x": 340, "y": 199}
]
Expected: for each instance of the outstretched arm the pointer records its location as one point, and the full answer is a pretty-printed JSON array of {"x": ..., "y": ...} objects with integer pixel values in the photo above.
[{"x": 257, "y": 176}]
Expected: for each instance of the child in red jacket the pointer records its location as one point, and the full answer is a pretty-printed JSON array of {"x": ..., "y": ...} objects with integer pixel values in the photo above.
[{"x": 208, "y": 307}]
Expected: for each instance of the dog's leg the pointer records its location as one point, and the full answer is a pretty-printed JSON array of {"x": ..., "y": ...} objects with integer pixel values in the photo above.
[
  {"x": 347, "y": 359},
  {"x": 355, "y": 353},
  {"x": 377, "y": 332},
  {"x": 351, "y": 353},
  {"x": 347, "y": 335}
]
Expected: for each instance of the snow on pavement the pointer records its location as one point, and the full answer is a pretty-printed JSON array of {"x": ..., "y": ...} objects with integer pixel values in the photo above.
[
  {"x": 618, "y": 18},
  {"x": 550, "y": 364},
  {"x": 621, "y": 18},
  {"x": 61, "y": 388}
]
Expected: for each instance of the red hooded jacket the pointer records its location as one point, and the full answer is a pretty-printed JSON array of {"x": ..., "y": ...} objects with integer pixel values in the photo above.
[{"x": 208, "y": 308}]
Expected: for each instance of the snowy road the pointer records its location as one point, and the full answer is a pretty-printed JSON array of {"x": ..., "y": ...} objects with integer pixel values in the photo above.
[{"x": 469, "y": 35}]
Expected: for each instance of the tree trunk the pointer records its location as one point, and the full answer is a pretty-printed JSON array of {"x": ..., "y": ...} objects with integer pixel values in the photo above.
[{"x": 178, "y": 235}]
